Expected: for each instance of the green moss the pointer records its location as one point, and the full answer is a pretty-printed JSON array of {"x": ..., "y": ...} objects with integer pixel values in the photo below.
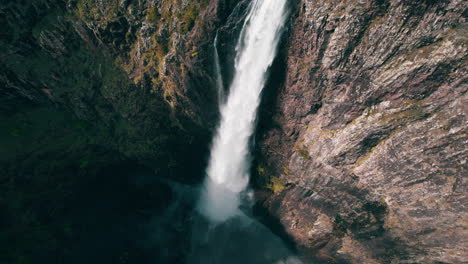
[
  {"x": 119, "y": 62},
  {"x": 188, "y": 19},
  {"x": 303, "y": 153},
  {"x": 261, "y": 170},
  {"x": 153, "y": 15},
  {"x": 89, "y": 10},
  {"x": 276, "y": 185},
  {"x": 415, "y": 112}
]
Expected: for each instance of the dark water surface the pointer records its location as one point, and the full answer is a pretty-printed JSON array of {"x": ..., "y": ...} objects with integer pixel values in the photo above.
[
  {"x": 130, "y": 215},
  {"x": 238, "y": 240}
]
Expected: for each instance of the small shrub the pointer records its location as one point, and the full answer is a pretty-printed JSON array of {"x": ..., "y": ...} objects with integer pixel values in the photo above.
[
  {"x": 188, "y": 20},
  {"x": 153, "y": 15},
  {"x": 261, "y": 170},
  {"x": 276, "y": 185},
  {"x": 303, "y": 153}
]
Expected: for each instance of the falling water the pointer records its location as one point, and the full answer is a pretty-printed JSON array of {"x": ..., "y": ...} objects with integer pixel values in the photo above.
[
  {"x": 219, "y": 76},
  {"x": 228, "y": 169}
]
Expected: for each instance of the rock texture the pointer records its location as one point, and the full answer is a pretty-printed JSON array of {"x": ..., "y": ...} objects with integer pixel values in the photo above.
[
  {"x": 361, "y": 144},
  {"x": 365, "y": 151},
  {"x": 87, "y": 89},
  {"x": 137, "y": 69}
]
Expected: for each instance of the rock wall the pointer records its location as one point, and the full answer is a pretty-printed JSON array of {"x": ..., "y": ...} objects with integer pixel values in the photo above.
[
  {"x": 88, "y": 89},
  {"x": 361, "y": 141},
  {"x": 362, "y": 153},
  {"x": 139, "y": 73}
]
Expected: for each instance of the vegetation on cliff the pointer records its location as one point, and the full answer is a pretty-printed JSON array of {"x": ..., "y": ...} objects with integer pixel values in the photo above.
[{"x": 87, "y": 86}]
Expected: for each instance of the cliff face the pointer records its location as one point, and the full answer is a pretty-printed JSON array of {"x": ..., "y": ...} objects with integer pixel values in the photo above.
[
  {"x": 363, "y": 150},
  {"x": 142, "y": 71},
  {"x": 88, "y": 89}
]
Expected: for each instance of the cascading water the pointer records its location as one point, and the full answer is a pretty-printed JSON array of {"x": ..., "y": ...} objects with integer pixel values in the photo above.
[
  {"x": 228, "y": 169},
  {"x": 219, "y": 76}
]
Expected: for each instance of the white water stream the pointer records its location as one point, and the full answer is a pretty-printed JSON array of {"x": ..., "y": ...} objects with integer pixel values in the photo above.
[
  {"x": 228, "y": 169},
  {"x": 219, "y": 76}
]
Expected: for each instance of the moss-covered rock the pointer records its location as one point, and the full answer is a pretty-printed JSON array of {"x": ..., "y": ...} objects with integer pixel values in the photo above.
[{"x": 85, "y": 86}]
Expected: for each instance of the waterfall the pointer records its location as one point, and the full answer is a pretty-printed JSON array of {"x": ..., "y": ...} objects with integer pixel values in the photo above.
[
  {"x": 219, "y": 76},
  {"x": 228, "y": 168}
]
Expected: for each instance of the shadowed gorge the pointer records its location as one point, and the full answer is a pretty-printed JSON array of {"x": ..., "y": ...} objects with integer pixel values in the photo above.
[{"x": 233, "y": 131}]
